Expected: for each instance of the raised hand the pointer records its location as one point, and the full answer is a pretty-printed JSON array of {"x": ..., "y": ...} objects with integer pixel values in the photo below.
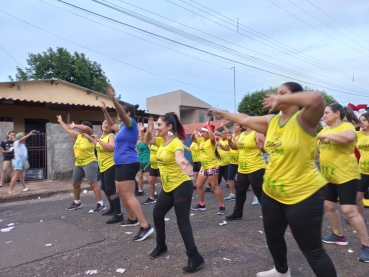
[
  {"x": 59, "y": 117},
  {"x": 141, "y": 127},
  {"x": 72, "y": 125},
  {"x": 229, "y": 135},
  {"x": 271, "y": 102},
  {"x": 110, "y": 92},
  {"x": 103, "y": 106},
  {"x": 218, "y": 113}
]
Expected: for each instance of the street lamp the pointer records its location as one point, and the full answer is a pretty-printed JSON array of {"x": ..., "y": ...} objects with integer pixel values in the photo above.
[{"x": 234, "y": 87}]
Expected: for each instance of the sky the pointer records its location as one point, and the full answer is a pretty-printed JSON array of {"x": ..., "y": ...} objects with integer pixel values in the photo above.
[{"x": 321, "y": 44}]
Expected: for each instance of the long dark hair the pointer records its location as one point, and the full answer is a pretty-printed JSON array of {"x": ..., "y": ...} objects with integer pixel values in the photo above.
[
  {"x": 130, "y": 109},
  {"x": 293, "y": 87},
  {"x": 177, "y": 127},
  {"x": 350, "y": 116}
]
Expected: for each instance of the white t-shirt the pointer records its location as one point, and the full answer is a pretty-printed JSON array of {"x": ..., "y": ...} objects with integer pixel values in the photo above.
[{"x": 20, "y": 149}]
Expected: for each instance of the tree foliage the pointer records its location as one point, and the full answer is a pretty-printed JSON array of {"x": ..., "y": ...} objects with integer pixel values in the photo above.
[
  {"x": 74, "y": 68},
  {"x": 251, "y": 102}
]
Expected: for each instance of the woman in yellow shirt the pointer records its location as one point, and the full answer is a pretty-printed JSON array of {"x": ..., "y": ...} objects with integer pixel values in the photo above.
[
  {"x": 222, "y": 146},
  {"x": 86, "y": 164},
  {"x": 251, "y": 168},
  {"x": 105, "y": 158},
  {"x": 177, "y": 187},
  {"x": 195, "y": 154},
  {"x": 293, "y": 187},
  {"x": 209, "y": 168},
  {"x": 339, "y": 166},
  {"x": 362, "y": 145}
]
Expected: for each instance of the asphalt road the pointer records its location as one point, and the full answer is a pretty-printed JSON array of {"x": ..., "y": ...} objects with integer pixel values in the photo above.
[{"x": 79, "y": 241}]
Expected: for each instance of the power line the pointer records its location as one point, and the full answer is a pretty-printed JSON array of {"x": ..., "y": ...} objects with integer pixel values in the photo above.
[
  {"x": 227, "y": 68},
  {"x": 197, "y": 39},
  {"x": 97, "y": 52},
  {"x": 311, "y": 59},
  {"x": 317, "y": 28},
  {"x": 337, "y": 21},
  {"x": 203, "y": 51},
  {"x": 324, "y": 23},
  {"x": 7, "y": 53}
]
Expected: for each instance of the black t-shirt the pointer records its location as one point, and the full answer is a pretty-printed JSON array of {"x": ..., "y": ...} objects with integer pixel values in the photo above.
[{"x": 6, "y": 145}]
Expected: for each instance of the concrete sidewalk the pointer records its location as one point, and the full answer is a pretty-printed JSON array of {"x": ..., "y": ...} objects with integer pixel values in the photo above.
[{"x": 41, "y": 189}]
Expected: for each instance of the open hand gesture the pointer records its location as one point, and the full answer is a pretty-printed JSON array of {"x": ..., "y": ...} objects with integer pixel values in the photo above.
[
  {"x": 59, "y": 117},
  {"x": 141, "y": 127},
  {"x": 271, "y": 102},
  {"x": 110, "y": 92},
  {"x": 103, "y": 106},
  {"x": 218, "y": 114},
  {"x": 72, "y": 125}
]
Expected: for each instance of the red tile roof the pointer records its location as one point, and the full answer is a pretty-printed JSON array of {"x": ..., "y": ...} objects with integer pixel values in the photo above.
[{"x": 190, "y": 127}]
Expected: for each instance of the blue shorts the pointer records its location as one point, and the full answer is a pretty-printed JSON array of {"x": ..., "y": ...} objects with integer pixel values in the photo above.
[
  {"x": 232, "y": 171},
  {"x": 18, "y": 163}
]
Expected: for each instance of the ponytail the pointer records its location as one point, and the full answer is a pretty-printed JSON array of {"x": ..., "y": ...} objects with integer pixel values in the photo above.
[
  {"x": 350, "y": 116},
  {"x": 177, "y": 127}
]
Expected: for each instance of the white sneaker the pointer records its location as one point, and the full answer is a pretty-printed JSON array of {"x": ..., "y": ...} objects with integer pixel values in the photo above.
[
  {"x": 273, "y": 273},
  {"x": 230, "y": 197},
  {"x": 26, "y": 189}
]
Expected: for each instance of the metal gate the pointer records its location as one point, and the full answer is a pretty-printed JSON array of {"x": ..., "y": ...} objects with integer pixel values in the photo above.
[{"x": 37, "y": 157}]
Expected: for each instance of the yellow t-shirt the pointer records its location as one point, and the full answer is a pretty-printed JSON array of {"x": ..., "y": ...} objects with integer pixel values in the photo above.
[
  {"x": 171, "y": 174},
  {"x": 104, "y": 158},
  {"x": 83, "y": 151},
  {"x": 224, "y": 155},
  {"x": 291, "y": 175},
  {"x": 207, "y": 154},
  {"x": 250, "y": 158},
  {"x": 338, "y": 163},
  {"x": 234, "y": 154},
  {"x": 195, "y": 150},
  {"x": 153, "y": 151},
  {"x": 362, "y": 144}
]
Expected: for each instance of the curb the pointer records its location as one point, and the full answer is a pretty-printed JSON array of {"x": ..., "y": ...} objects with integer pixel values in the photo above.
[{"x": 35, "y": 195}]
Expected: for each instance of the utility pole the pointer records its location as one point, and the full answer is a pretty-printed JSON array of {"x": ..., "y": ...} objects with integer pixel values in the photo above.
[{"x": 234, "y": 87}]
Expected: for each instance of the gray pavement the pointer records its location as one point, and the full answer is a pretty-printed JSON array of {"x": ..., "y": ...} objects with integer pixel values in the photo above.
[{"x": 82, "y": 241}]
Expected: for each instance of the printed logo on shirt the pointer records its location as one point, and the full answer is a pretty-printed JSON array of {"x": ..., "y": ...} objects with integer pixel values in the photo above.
[
  {"x": 327, "y": 171},
  {"x": 275, "y": 146},
  {"x": 275, "y": 188},
  {"x": 325, "y": 144},
  {"x": 364, "y": 165},
  {"x": 363, "y": 146}
]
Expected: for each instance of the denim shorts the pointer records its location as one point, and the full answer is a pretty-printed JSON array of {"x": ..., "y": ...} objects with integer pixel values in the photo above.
[{"x": 18, "y": 163}]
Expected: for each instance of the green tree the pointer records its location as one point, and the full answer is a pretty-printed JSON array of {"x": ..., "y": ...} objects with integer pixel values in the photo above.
[
  {"x": 251, "y": 102},
  {"x": 74, "y": 68}
]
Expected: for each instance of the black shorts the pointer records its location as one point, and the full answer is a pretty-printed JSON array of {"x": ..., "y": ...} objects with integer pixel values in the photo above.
[
  {"x": 364, "y": 183},
  {"x": 196, "y": 166},
  {"x": 346, "y": 192},
  {"x": 126, "y": 172},
  {"x": 154, "y": 172},
  {"x": 7, "y": 158},
  {"x": 144, "y": 167}
]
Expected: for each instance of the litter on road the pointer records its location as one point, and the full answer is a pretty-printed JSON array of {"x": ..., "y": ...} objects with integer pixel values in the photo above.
[
  {"x": 128, "y": 233},
  {"x": 8, "y": 241},
  {"x": 41, "y": 220},
  {"x": 166, "y": 219},
  {"x": 120, "y": 270},
  {"x": 350, "y": 251},
  {"x": 226, "y": 259},
  {"x": 49, "y": 244},
  {"x": 85, "y": 191},
  {"x": 223, "y": 223},
  {"x": 10, "y": 224},
  {"x": 90, "y": 272},
  {"x": 260, "y": 232},
  {"x": 167, "y": 257},
  {"x": 6, "y": 229}
]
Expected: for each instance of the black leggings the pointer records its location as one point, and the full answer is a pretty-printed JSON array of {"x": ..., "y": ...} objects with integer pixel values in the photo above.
[
  {"x": 305, "y": 221},
  {"x": 243, "y": 182},
  {"x": 108, "y": 186},
  {"x": 180, "y": 198},
  {"x": 223, "y": 172}
]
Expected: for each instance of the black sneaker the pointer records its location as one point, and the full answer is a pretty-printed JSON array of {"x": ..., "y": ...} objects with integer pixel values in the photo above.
[
  {"x": 143, "y": 233},
  {"x": 149, "y": 201},
  {"x": 194, "y": 264},
  {"x": 99, "y": 208},
  {"x": 199, "y": 207},
  {"x": 74, "y": 206},
  {"x": 108, "y": 212},
  {"x": 115, "y": 219},
  {"x": 221, "y": 210},
  {"x": 232, "y": 217},
  {"x": 155, "y": 196},
  {"x": 207, "y": 189},
  {"x": 130, "y": 222},
  {"x": 140, "y": 193},
  {"x": 158, "y": 251}
]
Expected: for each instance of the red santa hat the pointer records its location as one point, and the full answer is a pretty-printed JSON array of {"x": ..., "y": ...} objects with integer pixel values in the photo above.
[{"x": 205, "y": 128}]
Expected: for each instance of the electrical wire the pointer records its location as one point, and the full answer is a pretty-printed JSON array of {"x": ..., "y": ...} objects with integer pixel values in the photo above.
[{"x": 7, "y": 53}]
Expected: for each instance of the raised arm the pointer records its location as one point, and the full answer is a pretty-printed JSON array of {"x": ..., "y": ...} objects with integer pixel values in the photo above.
[
  {"x": 27, "y": 136},
  {"x": 67, "y": 128},
  {"x": 257, "y": 123},
  {"x": 193, "y": 135},
  {"x": 232, "y": 144},
  {"x": 120, "y": 111},
  {"x": 112, "y": 125},
  {"x": 312, "y": 104},
  {"x": 83, "y": 128},
  {"x": 148, "y": 138},
  {"x": 344, "y": 137},
  {"x": 108, "y": 147},
  {"x": 211, "y": 134}
]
